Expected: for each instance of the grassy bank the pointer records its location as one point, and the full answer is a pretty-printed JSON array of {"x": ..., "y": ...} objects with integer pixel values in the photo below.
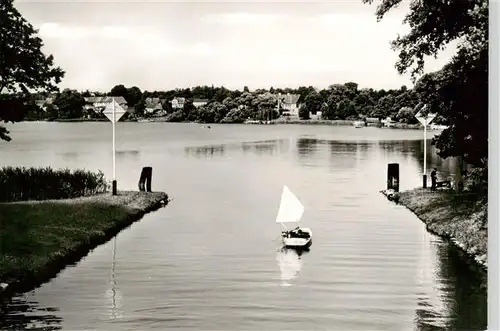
[
  {"x": 39, "y": 238},
  {"x": 459, "y": 217}
]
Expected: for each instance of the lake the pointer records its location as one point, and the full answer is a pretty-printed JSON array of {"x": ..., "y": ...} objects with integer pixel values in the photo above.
[{"x": 209, "y": 260}]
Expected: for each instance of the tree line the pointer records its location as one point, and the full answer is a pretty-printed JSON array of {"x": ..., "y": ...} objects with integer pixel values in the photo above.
[{"x": 337, "y": 102}]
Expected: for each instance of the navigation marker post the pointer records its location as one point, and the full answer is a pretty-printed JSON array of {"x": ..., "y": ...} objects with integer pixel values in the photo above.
[
  {"x": 425, "y": 119},
  {"x": 114, "y": 112}
]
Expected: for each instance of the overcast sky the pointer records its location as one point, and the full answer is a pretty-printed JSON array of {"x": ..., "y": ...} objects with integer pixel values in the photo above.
[{"x": 164, "y": 45}]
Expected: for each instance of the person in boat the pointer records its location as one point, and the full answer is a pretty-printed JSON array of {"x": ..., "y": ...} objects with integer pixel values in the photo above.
[{"x": 298, "y": 233}]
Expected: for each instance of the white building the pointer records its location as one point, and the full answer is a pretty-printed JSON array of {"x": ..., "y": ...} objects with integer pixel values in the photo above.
[
  {"x": 178, "y": 103},
  {"x": 199, "y": 102},
  {"x": 289, "y": 104}
]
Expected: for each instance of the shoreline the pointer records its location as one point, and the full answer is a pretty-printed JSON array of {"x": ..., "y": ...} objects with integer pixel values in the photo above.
[
  {"x": 450, "y": 216},
  {"x": 400, "y": 126},
  {"x": 126, "y": 208}
]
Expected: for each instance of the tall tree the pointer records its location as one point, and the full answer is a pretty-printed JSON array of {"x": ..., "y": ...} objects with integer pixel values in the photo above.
[
  {"x": 118, "y": 91},
  {"x": 459, "y": 91},
  {"x": 23, "y": 66},
  {"x": 69, "y": 104},
  {"x": 133, "y": 96}
]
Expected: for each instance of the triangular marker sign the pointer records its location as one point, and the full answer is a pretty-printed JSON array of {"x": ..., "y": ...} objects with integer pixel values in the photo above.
[{"x": 119, "y": 111}]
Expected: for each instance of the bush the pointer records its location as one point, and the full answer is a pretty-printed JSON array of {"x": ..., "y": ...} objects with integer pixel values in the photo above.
[{"x": 22, "y": 183}]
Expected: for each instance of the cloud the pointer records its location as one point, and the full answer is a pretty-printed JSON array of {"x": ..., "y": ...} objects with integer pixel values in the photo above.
[
  {"x": 139, "y": 40},
  {"x": 242, "y": 18},
  {"x": 59, "y": 31},
  {"x": 365, "y": 23}
]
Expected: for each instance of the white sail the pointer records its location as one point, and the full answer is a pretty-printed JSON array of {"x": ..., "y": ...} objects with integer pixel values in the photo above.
[{"x": 291, "y": 209}]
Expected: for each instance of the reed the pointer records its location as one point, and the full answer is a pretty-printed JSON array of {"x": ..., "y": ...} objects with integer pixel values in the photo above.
[{"x": 21, "y": 183}]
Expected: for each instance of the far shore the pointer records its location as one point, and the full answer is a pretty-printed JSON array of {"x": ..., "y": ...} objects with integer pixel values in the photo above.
[
  {"x": 457, "y": 217},
  {"x": 279, "y": 121},
  {"x": 40, "y": 238}
]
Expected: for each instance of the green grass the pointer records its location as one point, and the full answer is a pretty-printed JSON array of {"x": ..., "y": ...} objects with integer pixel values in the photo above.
[{"x": 34, "y": 234}]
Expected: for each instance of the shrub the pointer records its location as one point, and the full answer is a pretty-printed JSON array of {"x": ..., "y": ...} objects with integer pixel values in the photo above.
[{"x": 20, "y": 183}]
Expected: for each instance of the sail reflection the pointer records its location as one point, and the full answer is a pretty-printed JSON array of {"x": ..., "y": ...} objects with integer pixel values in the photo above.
[{"x": 290, "y": 263}]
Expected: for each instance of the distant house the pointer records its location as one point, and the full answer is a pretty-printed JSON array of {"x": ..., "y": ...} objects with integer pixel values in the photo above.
[
  {"x": 154, "y": 106},
  {"x": 316, "y": 116},
  {"x": 388, "y": 122},
  {"x": 289, "y": 104},
  {"x": 178, "y": 103},
  {"x": 103, "y": 101},
  {"x": 44, "y": 103},
  {"x": 199, "y": 102},
  {"x": 372, "y": 121},
  {"x": 98, "y": 104}
]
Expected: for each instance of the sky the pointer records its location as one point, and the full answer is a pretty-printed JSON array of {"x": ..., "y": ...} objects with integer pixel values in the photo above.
[{"x": 164, "y": 45}]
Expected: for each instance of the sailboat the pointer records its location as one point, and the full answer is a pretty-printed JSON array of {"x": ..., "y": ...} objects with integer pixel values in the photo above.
[{"x": 291, "y": 211}]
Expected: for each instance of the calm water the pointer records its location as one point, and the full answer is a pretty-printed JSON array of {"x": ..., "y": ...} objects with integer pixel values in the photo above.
[{"x": 208, "y": 261}]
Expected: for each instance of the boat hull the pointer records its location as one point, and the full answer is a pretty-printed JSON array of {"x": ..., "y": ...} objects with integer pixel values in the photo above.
[{"x": 298, "y": 243}]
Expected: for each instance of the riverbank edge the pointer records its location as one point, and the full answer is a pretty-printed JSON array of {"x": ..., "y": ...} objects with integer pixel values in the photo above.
[
  {"x": 402, "y": 126},
  {"x": 464, "y": 232},
  {"x": 135, "y": 210}
]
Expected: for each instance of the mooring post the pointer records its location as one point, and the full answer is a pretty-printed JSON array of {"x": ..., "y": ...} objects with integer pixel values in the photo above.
[
  {"x": 145, "y": 179},
  {"x": 393, "y": 176}
]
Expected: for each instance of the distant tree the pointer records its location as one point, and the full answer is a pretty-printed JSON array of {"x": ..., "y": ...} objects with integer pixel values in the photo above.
[
  {"x": 51, "y": 113},
  {"x": 304, "y": 112},
  {"x": 118, "y": 91},
  {"x": 245, "y": 89},
  {"x": 23, "y": 65},
  {"x": 221, "y": 94},
  {"x": 313, "y": 102},
  {"x": 140, "y": 107},
  {"x": 133, "y": 95},
  {"x": 69, "y": 104},
  {"x": 406, "y": 115}
]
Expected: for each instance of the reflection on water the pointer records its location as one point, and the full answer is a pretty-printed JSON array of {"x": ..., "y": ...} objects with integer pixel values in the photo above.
[
  {"x": 69, "y": 156},
  {"x": 269, "y": 147},
  {"x": 289, "y": 262},
  {"x": 306, "y": 147},
  {"x": 114, "y": 294},
  {"x": 207, "y": 261},
  {"x": 20, "y": 314},
  {"x": 260, "y": 147},
  {"x": 131, "y": 155},
  {"x": 461, "y": 303},
  {"x": 205, "y": 151}
]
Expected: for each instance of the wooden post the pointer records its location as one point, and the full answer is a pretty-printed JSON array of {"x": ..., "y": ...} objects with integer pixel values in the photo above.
[
  {"x": 393, "y": 176},
  {"x": 459, "y": 184},
  {"x": 145, "y": 179}
]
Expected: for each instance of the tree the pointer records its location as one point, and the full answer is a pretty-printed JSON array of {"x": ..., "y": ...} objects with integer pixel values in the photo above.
[
  {"x": 23, "y": 65},
  {"x": 304, "y": 112},
  {"x": 313, "y": 102},
  {"x": 69, "y": 104},
  {"x": 406, "y": 115},
  {"x": 133, "y": 96},
  {"x": 459, "y": 91},
  {"x": 119, "y": 91}
]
